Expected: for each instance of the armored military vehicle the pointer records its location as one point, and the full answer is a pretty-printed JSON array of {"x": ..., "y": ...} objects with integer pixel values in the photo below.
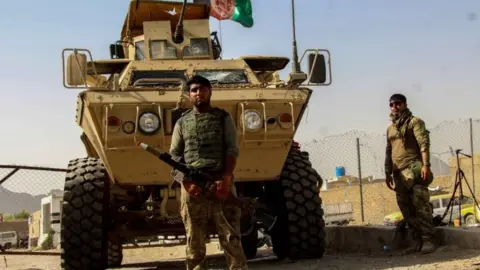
[{"x": 120, "y": 192}]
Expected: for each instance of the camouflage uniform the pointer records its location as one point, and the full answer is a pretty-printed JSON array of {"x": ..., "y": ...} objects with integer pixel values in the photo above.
[
  {"x": 405, "y": 143},
  {"x": 200, "y": 140}
]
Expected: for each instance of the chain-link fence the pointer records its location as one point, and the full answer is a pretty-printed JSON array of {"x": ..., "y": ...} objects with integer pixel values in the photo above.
[
  {"x": 23, "y": 187},
  {"x": 29, "y": 202},
  {"x": 342, "y": 159}
]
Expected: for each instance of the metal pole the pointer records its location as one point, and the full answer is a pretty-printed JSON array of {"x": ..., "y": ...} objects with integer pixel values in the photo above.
[
  {"x": 473, "y": 168},
  {"x": 360, "y": 178},
  {"x": 295, "y": 64}
]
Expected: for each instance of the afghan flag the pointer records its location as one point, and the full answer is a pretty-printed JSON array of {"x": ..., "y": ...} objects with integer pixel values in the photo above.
[{"x": 235, "y": 10}]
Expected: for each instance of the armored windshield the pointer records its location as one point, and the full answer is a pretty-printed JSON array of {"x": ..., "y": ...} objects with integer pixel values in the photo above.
[
  {"x": 224, "y": 76},
  {"x": 140, "y": 50},
  {"x": 139, "y": 76}
]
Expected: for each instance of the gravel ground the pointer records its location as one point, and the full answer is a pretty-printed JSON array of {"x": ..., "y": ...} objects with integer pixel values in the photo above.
[{"x": 172, "y": 258}]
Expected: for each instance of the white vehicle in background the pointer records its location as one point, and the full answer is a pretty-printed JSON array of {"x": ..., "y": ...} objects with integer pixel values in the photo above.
[{"x": 8, "y": 239}]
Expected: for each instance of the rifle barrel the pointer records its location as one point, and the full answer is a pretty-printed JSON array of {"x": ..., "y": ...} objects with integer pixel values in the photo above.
[{"x": 165, "y": 157}]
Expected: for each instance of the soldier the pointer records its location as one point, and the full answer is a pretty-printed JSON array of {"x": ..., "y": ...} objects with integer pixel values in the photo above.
[
  {"x": 205, "y": 137},
  {"x": 407, "y": 165}
]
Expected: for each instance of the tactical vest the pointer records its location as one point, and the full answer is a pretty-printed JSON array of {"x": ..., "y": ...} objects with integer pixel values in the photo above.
[
  {"x": 403, "y": 156},
  {"x": 203, "y": 135}
]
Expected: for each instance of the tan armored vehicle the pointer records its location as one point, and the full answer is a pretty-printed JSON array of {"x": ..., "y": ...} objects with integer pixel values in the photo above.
[{"x": 120, "y": 192}]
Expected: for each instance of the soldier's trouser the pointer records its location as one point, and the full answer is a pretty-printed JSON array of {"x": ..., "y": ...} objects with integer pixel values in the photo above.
[
  {"x": 196, "y": 212},
  {"x": 413, "y": 199}
]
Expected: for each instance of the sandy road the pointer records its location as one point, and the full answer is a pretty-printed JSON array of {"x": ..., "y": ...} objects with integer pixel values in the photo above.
[{"x": 172, "y": 258}]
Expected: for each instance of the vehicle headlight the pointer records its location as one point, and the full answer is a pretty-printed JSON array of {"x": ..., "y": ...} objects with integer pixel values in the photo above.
[
  {"x": 148, "y": 122},
  {"x": 252, "y": 119}
]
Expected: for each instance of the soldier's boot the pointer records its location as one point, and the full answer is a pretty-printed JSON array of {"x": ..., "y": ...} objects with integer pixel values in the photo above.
[
  {"x": 417, "y": 238},
  {"x": 413, "y": 248},
  {"x": 428, "y": 246}
]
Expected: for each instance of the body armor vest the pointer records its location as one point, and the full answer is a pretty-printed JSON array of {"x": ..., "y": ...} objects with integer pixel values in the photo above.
[{"x": 203, "y": 136}]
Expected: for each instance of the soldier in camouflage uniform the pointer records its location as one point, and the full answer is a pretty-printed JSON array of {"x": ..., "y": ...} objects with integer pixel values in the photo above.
[
  {"x": 205, "y": 137},
  {"x": 407, "y": 165}
]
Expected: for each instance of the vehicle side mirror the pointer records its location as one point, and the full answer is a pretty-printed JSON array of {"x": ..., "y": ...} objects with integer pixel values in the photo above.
[
  {"x": 116, "y": 51},
  {"x": 317, "y": 67},
  {"x": 77, "y": 69}
]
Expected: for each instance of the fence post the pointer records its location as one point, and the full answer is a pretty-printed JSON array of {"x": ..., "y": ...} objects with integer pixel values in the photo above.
[
  {"x": 360, "y": 179},
  {"x": 473, "y": 168}
]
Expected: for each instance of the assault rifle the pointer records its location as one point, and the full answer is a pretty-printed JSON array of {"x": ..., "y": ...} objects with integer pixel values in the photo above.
[
  {"x": 198, "y": 177},
  {"x": 205, "y": 181}
]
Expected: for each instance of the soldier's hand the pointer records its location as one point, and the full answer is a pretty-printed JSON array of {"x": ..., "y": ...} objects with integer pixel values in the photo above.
[
  {"x": 389, "y": 181},
  {"x": 192, "y": 189},
  {"x": 425, "y": 173},
  {"x": 211, "y": 187},
  {"x": 223, "y": 188}
]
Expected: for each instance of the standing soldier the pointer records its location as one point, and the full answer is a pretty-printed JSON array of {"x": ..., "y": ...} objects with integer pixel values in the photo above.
[
  {"x": 205, "y": 138},
  {"x": 407, "y": 164}
]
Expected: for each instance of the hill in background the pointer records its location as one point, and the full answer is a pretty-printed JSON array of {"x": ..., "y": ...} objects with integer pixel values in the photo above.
[{"x": 13, "y": 202}]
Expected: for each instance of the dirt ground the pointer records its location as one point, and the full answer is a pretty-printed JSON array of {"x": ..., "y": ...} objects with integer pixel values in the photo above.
[{"x": 172, "y": 258}]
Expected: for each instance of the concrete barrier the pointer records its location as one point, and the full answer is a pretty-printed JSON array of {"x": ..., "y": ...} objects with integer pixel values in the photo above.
[
  {"x": 367, "y": 239},
  {"x": 467, "y": 238},
  {"x": 363, "y": 239}
]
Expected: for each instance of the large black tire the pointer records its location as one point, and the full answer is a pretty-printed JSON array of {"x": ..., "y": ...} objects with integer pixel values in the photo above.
[
  {"x": 300, "y": 229},
  {"x": 250, "y": 240},
  {"x": 7, "y": 246},
  {"x": 84, "y": 233},
  {"x": 115, "y": 254},
  {"x": 469, "y": 219}
]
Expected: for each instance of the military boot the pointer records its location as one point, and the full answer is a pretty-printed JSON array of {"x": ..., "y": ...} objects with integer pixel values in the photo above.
[
  {"x": 428, "y": 246},
  {"x": 413, "y": 248},
  {"x": 417, "y": 239}
]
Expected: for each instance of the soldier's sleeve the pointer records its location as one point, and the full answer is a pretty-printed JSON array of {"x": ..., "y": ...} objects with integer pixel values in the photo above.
[
  {"x": 388, "y": 157},
  {"x": 421, "y": 134},
  {"x": 177, "y": 145},
  {"x": 231, "y": 136}
]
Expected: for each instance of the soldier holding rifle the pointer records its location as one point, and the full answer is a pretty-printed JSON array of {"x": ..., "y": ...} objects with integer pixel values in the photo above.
[{"x": 205, "y": 138}]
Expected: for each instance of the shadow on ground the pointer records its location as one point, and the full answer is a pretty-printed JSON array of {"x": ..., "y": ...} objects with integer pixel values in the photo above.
[
  {"x": 443, "y": 257},
  {"x": 216, "y": 261}
]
